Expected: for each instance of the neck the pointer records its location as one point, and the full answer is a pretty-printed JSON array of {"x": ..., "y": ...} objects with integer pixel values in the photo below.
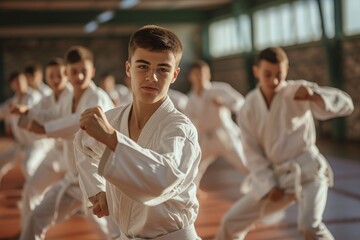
[
  {"x": 268, "y": 96},
  {"x": 57, "y": 93},
  {"x": 142, "y": 112}
]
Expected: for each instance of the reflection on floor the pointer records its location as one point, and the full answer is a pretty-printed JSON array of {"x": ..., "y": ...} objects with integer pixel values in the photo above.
[{"x": 221, "y": 184}]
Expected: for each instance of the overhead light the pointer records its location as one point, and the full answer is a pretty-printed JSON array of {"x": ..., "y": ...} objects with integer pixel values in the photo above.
[
  {"x": 126, "y": 4},
  {"x": 105, "y": 16},
  {"x": 91, "y": 26}
]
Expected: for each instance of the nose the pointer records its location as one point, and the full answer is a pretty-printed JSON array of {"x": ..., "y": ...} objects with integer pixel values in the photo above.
[
  {"x": 152, "y": 77},
  {"x": 81, "y": 76}
]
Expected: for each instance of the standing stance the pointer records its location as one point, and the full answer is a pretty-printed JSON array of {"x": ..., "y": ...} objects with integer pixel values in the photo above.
[
  {"x": 210, "y": 107},
  {"x": 147, "y": 151},
  {"x": 278, "y": 134},
  {"x": 65, "y": 198}
]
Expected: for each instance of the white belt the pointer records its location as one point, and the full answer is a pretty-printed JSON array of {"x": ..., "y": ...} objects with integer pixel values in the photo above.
[{"x": 188, "y": 233}]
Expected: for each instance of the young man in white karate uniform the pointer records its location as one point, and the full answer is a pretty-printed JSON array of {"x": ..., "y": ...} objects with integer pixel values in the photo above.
[
  {"x": 53, "y": 166},
  {"x": 64, "y": 198},
  {"x": 147, "y": 152},
  {"x": 210, "y": 107},
  {"x": 27, "y": 147},
  {"x": 279, "y": 138}
]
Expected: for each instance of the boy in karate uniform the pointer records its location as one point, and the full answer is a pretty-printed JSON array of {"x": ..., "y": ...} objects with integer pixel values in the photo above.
[
  {"x": 147, "y": 151},
  {"x": 26, "y": 147},
  {"x": 65, "y": 198},
  {"x": 210, "y": 109},
  {"x": 278, "y": 134},
  {"x": 53, "y": 166}
]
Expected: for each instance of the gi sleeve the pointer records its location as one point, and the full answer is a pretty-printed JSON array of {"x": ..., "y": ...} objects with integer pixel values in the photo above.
[
  {"x": 337, "y": 103},
  {"x": 87, "y": 156},
  {"x": 64, "y": 127},
  {"x": 153, "y": 177},
  {"x": 262, "y": 175},
  {"x": 232, "y": 98}
]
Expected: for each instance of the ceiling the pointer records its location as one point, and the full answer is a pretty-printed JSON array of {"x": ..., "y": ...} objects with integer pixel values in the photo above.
[{"x": 26, "y": 18}]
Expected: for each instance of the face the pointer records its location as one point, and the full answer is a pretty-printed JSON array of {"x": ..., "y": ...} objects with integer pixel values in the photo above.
[
  {"x": 34, "y": 79},
  {"x": 56, "y": 78},
  {"x": 199, "y": 77},
  {"x": 270, "y": 75},
  {"x": 80, "y": 74},
  {"x": 151, "y": 74},
  {"x": 19, "y": 85}
]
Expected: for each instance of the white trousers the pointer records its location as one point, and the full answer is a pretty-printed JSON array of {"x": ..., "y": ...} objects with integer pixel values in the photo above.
[
  {"x": 30, "y": 156},
  {"x": 48, "y": 173},
  {"x": 42, "y": 217},
  {"x": 220, "y": 144},
  {"x": 242, "y": 216}
]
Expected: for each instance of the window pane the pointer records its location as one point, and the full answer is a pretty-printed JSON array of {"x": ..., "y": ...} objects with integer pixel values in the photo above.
[
  {"x": 329, "y": 17},
  {"x": 244, "y": 33},
  {"x": 351, "y": 14}
]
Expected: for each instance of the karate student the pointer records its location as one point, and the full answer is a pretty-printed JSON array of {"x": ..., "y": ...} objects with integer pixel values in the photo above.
[
  {"x": 278, "y": 134},
  {"x": 64, "y": 198},
  {"x": 26, "y": 147},
  {"x": 34, "y": 75},
  {"x": 53, "y": 166},
  {"x": 210, "y": 107},
  {"x": 119, "y": 93},
  {"x": 147, "y": 151}
]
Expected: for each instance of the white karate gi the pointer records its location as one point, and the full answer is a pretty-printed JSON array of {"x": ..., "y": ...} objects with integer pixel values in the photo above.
[
  {"x": 44, "y": 89},
  {"x": 150, "y": 189},
  {"x": 28, "y": 147},
  {"x": 218, "y": 133},
  {"x": 179, "y": 99},
  {"x": 64, "y": 198},
  {"x": 280, "y": 149},
  {"x": 52, "y": 168}
]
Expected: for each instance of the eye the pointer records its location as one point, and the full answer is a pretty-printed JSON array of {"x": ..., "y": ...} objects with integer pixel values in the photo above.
[
  {"x": 143, "y": 67},
  {"x": 164, "y": 70}
]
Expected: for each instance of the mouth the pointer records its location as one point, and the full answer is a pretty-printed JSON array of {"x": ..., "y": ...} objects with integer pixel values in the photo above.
[{"x": 150, "y": 88}]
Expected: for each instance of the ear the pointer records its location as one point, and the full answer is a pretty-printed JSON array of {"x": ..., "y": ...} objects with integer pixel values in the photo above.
[
  {"x": 176, "y": 73},
  {"x": 127, "y": 69},
  {"x": 93, "y": 72},
  {"x": 256, "y": 71}
]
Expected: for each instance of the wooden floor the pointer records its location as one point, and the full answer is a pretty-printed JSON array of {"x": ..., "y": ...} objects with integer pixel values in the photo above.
[{"x": 221, "y": 184}]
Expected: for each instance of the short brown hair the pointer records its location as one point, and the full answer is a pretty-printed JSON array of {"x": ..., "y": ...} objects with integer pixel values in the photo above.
[
  {"x": 155, "y": 38},
  {"x": 32, "y": 67},
  {"x": 78, "y": 53},
  {"x": 14, "y": 75},
  {"x": 273, "y": 55},
  {"x": 56, "y": 62}
]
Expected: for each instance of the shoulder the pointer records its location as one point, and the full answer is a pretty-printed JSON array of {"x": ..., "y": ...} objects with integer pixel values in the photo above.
[{"x": 178, "y": 124}]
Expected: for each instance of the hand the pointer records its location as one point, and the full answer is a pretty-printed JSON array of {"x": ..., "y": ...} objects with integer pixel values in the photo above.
[
  {"x": 306, "y": 94},
  {"x": 100, "y": 206},
  {"x": 18, "y": 109},
  {"x": 35, "y": 127},
  {"x": 276, "y": 194},
  {"x": 95, "y": 123},
  {"x": 218, "y": 101}
]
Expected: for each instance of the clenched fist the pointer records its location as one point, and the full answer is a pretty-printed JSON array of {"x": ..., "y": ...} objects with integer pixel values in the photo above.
[
  {"x": 306, "y": 94},
  {"x": 95, "y": 123},
  {"x": 100, "y": 206}
]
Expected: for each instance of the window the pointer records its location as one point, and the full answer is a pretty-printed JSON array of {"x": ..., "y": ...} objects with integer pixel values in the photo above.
[
  {"x": 229, "y": 36},
  {"x": 351, "y": 14}
]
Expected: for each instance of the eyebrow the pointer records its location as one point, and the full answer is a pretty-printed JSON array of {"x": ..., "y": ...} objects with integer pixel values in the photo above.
[{"x": 148, "y": 63}]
